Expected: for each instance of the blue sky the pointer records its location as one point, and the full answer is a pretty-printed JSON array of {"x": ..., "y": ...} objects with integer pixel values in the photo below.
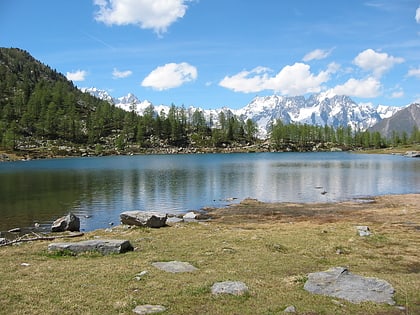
[{"x": 214, "y": 53}]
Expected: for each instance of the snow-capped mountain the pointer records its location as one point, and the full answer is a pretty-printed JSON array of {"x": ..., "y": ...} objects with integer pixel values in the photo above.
[{"x": 318, "y": 109}]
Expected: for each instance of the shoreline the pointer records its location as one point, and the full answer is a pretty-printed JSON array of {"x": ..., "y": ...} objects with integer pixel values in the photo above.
[
  {"x": 27, "y": 155},
  {"x": 253, "y": 209},
  {"x": 250, "y": 210}
]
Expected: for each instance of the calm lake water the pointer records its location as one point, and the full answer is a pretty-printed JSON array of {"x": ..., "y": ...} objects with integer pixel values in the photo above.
[{"x": 98, "y": 189}]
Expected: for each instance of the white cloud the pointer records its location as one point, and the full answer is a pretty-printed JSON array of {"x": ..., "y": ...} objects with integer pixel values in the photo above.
[
  {"x": 316, "y": 54},
  {"x": 117, "y": 74},
  {"x": 157, "y": 15},
  {"x": 369, "y": 87},
  {"x": 78, "y": 75},
  {"x": 170, "y": 76},
  {"x": 378, "y": 63},
  {"x": 397, "y": 94},
  {"x": 414, "y": 73},
  {"x": 418, "y": 15},
  {"x": 296, "y": 79},
  {"x": 247, "y": 81}
]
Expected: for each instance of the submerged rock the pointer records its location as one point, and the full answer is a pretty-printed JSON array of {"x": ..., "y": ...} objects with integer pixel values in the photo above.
[
  {"x": 340, "y": 283},
  {"x": 150, "y": 219}
]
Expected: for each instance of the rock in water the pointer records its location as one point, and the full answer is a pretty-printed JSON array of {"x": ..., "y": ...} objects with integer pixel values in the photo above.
[
  {"x": 144, "y": 218},
  {"x": 67, "y": 223},
  {"x": 340, "y": 283}
]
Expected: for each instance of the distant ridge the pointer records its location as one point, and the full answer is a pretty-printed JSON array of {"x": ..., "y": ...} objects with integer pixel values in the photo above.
[
  {"x": 318, "y": 109},
  {"x": 401, "y": 122}
]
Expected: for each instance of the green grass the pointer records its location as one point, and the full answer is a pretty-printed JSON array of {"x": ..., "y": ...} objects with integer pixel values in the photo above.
[{"x": 273, "y": 259}]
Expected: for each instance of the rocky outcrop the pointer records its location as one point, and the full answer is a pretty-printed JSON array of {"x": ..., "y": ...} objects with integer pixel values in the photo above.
[
  {"x": 105, "y": 247},
  {"x": 340, "y": 283},
  {"x": 144, "y": 218},
  {"x": 67, "y": 223}
]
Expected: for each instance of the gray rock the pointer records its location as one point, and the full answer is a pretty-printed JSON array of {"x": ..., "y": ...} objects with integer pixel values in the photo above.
[
  {"x": 290, "y": 309},
  {"x": 104, "y": 247},
  {"x": 174, "y": 220},
  {"x": 67, "y": 223},
  {"x": 229, "y": 287},
  {"x": 363, "y": 230},
  {"x": 339, "y": 282},
  {"x": 189, "y": 216},
  {"x": 150, "y": 219},
  {"x": 174, "y": 266},
  {"x": 149, "y": 309}
]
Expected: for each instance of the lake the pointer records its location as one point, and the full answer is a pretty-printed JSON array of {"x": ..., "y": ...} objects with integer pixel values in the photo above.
[{"x": 98, "y": 189}]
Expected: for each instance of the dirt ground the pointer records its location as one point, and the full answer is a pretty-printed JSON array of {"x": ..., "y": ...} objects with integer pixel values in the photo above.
[{"x": 392, "y": 209}]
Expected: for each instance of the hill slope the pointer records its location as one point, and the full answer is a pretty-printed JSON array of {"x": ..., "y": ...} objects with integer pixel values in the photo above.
[
  {"x": 404, "y": 121},
  {"x": 37, "y": 102}
]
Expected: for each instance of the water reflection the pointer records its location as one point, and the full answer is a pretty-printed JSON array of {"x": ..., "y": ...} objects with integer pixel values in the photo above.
[{"x": 98, "y": 189}]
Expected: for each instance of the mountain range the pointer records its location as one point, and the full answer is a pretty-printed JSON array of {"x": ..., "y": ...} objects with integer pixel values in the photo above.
[{"x": 317, "y": 109}]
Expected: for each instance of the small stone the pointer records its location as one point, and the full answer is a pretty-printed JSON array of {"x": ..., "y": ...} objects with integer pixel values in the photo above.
[
  {"x": 173, "y": 220},
  {"x": 229, "y": 287},
  {"x": 140, "y": 275},
  {"x": 149, "y": 309},
  {"x": 363, "y": 230},
  {"x": 174, "y": 266},
  {"x": 25, "y": 264},
  {"x": 189, "y": 216},
  {"x": 290, "y": 309}
]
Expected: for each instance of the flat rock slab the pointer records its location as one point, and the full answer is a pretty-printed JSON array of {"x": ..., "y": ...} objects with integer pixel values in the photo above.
[
  {"x": 229, "y": 287},
  {"x": 150, "y": 219},
  {"x": 149, "y": 309},
  {"x": 340, "y": 283},
  {"x": 174, "y": 266},
  {"x": 104, "y": 247}
]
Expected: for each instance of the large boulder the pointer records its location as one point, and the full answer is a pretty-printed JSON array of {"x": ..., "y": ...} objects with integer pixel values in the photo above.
[
  {"x": 104, "y": 247},
  {"x": 67, "y": 223},
  {"x": 150, "y": 219},
  {"x": 340, "y": 283}
]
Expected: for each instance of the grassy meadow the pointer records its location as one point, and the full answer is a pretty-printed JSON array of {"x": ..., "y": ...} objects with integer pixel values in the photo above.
[{"x": 270, "y": 247}]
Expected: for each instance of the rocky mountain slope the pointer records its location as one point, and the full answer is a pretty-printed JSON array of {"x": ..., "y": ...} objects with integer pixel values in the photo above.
[
  {"x": 401, "y": 122},
  {"x": 317, "y": 109}
]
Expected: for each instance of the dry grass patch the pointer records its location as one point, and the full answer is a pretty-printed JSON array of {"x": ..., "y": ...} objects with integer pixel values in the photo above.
[{"x": 272, "y": 253}]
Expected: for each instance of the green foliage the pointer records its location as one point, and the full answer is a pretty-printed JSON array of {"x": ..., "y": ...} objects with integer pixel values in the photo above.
[
  {"x": 38, "y": 103},
  {"x": 305, "y": 135}
]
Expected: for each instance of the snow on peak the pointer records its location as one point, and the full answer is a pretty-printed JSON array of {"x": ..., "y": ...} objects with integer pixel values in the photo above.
[{"x": 325, "y": 108}]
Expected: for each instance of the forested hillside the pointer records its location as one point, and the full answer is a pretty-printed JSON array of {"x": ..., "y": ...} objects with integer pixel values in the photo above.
[
  {"x": 42, "y": 114},
  {"x": 37, "y": 102}
]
